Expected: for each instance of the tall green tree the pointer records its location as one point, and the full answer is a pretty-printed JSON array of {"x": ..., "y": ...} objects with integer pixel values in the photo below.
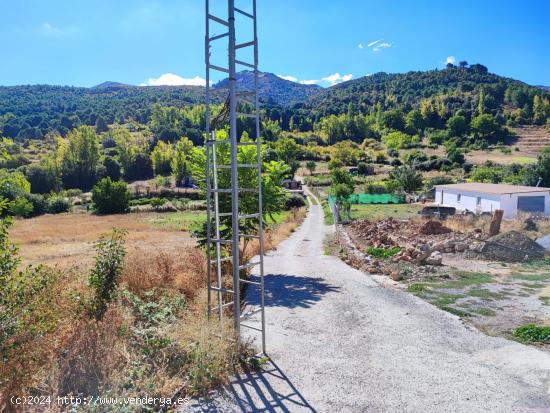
[
  {"x": 408, "y": 178},
  {"x": 540, "y": 172},
  {"x": 132, "y": 153},
  {"x": 457, "y": 125},
  {"x": 161, "y": 158},
  {"x": 273, "y": 195},
  {"x": 287, "y": 151},
  {"x": 179, "y": 163},
  {"x": 342, "y": 186},
  {"x": 485, "y": 126},
  {"x": 78, "y": 158}
]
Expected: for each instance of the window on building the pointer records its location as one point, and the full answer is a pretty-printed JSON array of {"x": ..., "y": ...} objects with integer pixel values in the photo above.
[
  {"x": 478, "y": 200},
  {"x": 458, "y": 196}
]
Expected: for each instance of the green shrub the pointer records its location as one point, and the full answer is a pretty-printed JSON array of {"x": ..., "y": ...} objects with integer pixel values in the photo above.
[
  {"x": 364, "y": 168},
  {"x": 440, "y": 180},
  {"x": 408, "y": 177},
  {"x": 383, "y": 253},
  {"x": 21, "y": 207},
  {"x": 39, "y": 204},
  {"x": 534, "y": 333},
  {"x": 437, "y": 137},
  {"x": 57, "y": 204},
  {"x": 28, "y": 313},
  {"x": 294, "y": 201},
  {"x": 108, "y": 267},
  {"x": 399, "y": 140},
  {"x": 110, "y": 197},
  {"x": 157, "y": 202}
]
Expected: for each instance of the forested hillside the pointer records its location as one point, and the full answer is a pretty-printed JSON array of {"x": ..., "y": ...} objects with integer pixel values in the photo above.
[{"x": 31, "y": 112}]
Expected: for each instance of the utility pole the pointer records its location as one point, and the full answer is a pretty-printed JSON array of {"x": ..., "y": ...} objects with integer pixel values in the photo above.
[{"x": 227, "y": 119}]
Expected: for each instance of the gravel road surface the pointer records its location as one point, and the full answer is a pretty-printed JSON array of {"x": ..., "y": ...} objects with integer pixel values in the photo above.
[{"x": 340, "y": 342}]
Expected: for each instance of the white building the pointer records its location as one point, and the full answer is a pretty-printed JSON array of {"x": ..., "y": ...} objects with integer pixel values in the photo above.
[{"x": 478, "y": 197}]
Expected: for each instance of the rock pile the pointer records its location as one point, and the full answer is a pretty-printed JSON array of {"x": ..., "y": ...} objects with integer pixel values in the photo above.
[
  {"x": 512, "y": 246},
  {"x": 377, "y": 234}
]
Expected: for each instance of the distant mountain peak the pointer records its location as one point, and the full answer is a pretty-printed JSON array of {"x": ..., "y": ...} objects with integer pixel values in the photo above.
[
  {"x": 273, "y": 88},
  {"x": 110, "y": 85}
]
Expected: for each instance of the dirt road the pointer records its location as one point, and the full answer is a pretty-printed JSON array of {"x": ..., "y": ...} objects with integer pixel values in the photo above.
[{"x": 339, "y": 342}]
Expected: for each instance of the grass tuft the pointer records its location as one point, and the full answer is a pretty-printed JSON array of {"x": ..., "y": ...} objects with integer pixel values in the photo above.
[{"x": 533, "y": 333}]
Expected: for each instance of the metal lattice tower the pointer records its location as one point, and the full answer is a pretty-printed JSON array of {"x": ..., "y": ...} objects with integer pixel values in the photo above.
[{"x": 221, "y": 298}]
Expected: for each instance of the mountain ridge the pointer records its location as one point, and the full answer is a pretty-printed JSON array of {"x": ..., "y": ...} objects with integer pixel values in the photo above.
[{"x": 32, "y": 111}]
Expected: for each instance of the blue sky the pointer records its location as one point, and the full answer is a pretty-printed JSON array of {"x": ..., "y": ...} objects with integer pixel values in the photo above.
[{"x": 86, "y": 42}]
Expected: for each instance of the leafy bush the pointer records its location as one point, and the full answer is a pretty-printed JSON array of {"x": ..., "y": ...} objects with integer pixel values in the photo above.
[
  {"x": 364, "y": 168},
  {"x": 110, "y": 197},
  {"x": 108, "y": 267},
  {"x": 408, "y": 177},
  {"x": 487, "y": 174},
  {"x": 21, "y": 207},
  {"x": 39, "y": 204},
  {"x": 383, "y": 253},
  {"x": 295, "y": 201},
  {"x": 532, "y": 332},
  {"x": 415, "y": 157},
  {"x": 399, "y": 140},
  {"x": 440, "y": 180},
  {"x": 157, "y": 202},
  {"x": 394, "y": 153},
  {"x": 437, "y": 137},
  {"x": 58, "y": 204},
  {"x": 376, "y": 188},
  {"x": 28, "y": 300}
]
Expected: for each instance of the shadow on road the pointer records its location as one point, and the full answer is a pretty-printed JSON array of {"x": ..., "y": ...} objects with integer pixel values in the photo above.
[
  {"x": 266, "y": 390},
  {"x": 291, "y": 291}
]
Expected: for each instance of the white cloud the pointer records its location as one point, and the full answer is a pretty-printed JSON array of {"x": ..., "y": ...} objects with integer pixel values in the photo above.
[
  {"x": 296, "y": 80},
  {"x": 47, "y": 27},
  {"x": 337, "y": 78},
  {"x": 309, "y": 82},
  {"x": 290, "y": 78},
  {"x": 170, "y": 79},
  {"x": 378, "y": 45},
  {"x": 360, "y": 46},
  {"x": 450, "y": 59}
]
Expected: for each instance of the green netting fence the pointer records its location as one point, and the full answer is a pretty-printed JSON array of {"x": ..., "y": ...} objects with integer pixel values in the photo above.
[{"x": 372, "y": 199}]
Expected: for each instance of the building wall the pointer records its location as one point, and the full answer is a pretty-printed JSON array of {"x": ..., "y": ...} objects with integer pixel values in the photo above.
[
  {"x": 468, "y": 200},
  {"x": 489, "y": 202},
  {"x": 510, "y": 202}
]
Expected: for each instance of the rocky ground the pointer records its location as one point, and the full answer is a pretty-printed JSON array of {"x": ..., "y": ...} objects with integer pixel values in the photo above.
[{"x": 497, "y": 284}]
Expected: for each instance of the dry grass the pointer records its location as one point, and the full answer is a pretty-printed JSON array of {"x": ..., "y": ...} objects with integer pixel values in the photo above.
[
  {"x": 468, "y": 223},
  {"x": 155, "y": 338},
  {"x": 66, "y": 240},
  {"x": 183, "y": 271}
]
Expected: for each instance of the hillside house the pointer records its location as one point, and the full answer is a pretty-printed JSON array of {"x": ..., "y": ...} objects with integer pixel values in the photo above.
[{"x": 479, "y": 197}]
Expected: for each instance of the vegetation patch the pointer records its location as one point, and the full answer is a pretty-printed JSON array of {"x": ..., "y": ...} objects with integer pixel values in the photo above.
[
  {"x": 383, "y": 253},
  {"x": 532, "y": 277},
  {"x": 486, "y": 312},
  {"x": 484, "y": 294},
  {"x": 465, "y": 279},
  {"x": 455, "y": 311},
  {"x": 533, "y": 333},
  {"x": 417, "y": 287},
  {"x": 178, "y": 221},
  {"x": 374, "y": 211}
]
